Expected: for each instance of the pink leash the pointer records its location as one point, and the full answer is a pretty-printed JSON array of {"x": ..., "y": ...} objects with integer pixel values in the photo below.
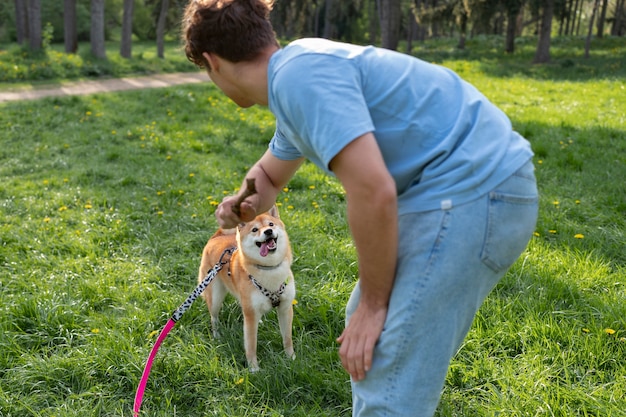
[{"x": 172, "y": 322}]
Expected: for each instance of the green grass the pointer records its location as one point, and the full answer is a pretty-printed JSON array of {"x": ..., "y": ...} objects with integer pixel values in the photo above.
[
  {"x": 106, "y": 202},
  {"x": 20, "y": 67}
]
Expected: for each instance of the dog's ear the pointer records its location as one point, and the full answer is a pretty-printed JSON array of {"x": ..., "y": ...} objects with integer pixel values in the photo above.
[{"x": 274, "y": 212}]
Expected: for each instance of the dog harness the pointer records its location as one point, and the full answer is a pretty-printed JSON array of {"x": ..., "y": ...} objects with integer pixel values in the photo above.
[{"x": 274, "y": 296}]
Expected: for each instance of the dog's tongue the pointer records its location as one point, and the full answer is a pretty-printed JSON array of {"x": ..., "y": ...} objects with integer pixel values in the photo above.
[{"x": 265, "y": 248}]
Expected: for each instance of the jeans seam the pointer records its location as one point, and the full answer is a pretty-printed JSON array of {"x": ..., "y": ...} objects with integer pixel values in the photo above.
[{"x": 432, "y": 257}]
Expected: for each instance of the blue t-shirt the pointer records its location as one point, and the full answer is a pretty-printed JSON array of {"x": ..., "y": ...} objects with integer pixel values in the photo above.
[{"x": 442, "y": 141}]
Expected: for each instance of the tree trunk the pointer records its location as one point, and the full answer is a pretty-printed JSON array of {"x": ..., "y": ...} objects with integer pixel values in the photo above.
[
  {"x": 391, "y": 17},
  {"x": 161, "y": 28},
  {"x": 570, "y": 14},
  {"x": 98, "y": 48},
  {"x": 578, "y": 13},
  {"x": 328, "y": 6},
  {"x": 616, "y": 29},
  {"x": 511, "y": 22},
  {"x": 602, "y": 19},
  {"x": 513, "y": 12},
  {"x": 462, "y": 30},
  {"x": 126, "y": 43},
  {"x": 70, "y": 35},
  {"x": 34, "y": 25},
  {"x": 543, "y": 46},
  {"x": 589, "y": 33},
  {"x": 21, "y": 21}
]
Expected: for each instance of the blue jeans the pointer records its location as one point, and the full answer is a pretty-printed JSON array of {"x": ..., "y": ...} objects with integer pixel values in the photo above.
[{"x": 448, "y": 262}]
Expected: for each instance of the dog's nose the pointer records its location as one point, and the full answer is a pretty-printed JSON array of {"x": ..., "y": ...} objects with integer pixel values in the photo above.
[{"x": 268, "y": 232}]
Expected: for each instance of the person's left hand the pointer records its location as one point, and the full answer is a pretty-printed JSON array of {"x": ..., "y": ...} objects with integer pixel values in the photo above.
[{"x": 359, "y": 338}]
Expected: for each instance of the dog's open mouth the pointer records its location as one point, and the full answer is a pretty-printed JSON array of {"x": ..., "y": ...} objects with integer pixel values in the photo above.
[{"x": 267, "y": 246}]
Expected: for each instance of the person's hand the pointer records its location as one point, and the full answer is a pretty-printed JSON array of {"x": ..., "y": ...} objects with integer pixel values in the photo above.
[
  {"x": 226, "y": 216},
  {"x": 359, "y": 338}
]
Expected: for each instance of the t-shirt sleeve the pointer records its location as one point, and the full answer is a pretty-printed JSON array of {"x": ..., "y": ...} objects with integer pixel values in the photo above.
[
  {"x": 319, "y": 101},
  {"x": 281, "y": 148}
]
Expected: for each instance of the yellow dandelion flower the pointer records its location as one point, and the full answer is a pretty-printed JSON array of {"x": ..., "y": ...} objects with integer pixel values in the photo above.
[
  {"x": 160, "y": 212},
  {"x": 536, "y": 234},
  {"x": 214, "y": 203},
  {"x": 46, "y": 182},
  {"x": 279, "y": 204},
  {"x": 95, "y": 331},
  {"x": 556, "y": 203},
  {"x": 286, "y": 190},
  {"x": 66, "y": 180},
  {"x": 239, "y": 381},
  {"x": 609, "y": 331},
  {"x": 153, "y": 333},
  {"x": 160, "y": 192},
  {"x": 114, "y": 132},
  {"x": 88, "y": 206},
  {"x": 46, "y": 219},
  {"x": 540, "y": 161},
  {"x": 194, "y": 215},
  {"x": 294, "y": 302},
  {"x": 168, "y": 158},
  {"x": 585, "y": 330},
  {"x": 577, "y": 202},
  {"x": 290, "y": 207},
  {"x": 311, "y": 187},
  {"x": 88, "y": 113},
  {"x": 191, "y": 175},
  {"x": 62, "y": 208},
  {"x": 579, "y": 236},
  {"x": 552, "y": 231}
]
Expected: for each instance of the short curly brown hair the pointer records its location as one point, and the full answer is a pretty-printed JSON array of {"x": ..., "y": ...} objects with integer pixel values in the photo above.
[{"x": 236, "y": 30}]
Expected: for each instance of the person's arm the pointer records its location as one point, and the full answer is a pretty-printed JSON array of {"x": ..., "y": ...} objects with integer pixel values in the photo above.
[
  {"x": 373, "y": 219},
  {"x": 270, "y": 175}
]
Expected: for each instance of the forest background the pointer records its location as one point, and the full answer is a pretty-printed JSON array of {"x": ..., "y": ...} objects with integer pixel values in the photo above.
[{"x": 35, "y": 24}]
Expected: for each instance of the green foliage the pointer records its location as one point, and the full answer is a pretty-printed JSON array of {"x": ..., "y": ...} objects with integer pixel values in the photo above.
[
  {"x": 107, "y": 200},
  {"x": 19, "y": 64}
]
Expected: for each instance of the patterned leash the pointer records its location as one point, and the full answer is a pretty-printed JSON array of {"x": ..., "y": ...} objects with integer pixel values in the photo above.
[
  {"x": 172, "y": 322},
  {"x": 178, "y": 313}
]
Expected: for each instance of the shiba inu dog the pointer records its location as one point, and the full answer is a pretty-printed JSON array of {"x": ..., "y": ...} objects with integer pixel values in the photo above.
[{"x": 258, "y": 274}]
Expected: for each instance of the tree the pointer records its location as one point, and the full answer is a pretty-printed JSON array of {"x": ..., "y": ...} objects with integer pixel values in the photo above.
[
  {"x": 161, "y": 28},
  {"x": 21, "y": 21},
  {"x": 513, "y": 8},
  {"x": 127, "y": 29},
  {"x": 545, "y": 32},
  {"x": 593, "y": 16},
  {"x": 34, "y": 24},
  {"x": 390, "y": 19},
  {"x": 69, "y": 26},
  {"x": 602, "y": 18},
  {"x": 617, "y": 29},
  {"x": 98, "y": 48}
]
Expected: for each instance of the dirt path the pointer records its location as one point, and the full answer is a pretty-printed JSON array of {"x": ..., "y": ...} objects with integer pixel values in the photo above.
[{"x": 107, "y": 85}]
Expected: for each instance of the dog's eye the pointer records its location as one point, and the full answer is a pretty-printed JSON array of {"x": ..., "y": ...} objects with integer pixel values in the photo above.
[
  {"x": 271, "y": 224},
  {"x": 255, "y": 229}
]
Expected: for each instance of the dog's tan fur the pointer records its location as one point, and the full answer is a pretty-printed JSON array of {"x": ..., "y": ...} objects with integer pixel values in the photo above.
[{"x": 271, "y": 271}]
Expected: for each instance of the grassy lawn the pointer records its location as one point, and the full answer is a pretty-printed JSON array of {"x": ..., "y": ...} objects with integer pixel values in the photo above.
[
  {"x": 20, "y": 68},
  {"x": 107, "y": 200}
]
